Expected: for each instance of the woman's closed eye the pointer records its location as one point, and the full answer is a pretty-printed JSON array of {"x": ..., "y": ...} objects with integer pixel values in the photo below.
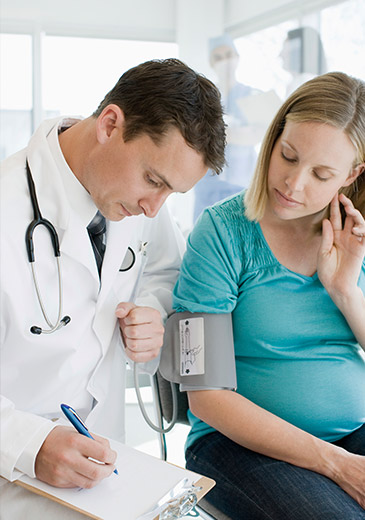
[
  {"x": 319, "y": 177},
  {"x": 289, "y": 159},
  {"x": 315, "y": 172}
]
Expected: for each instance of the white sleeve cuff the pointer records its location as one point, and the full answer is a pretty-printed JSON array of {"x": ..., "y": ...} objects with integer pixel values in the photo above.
[{"x": 26, "y": 461}]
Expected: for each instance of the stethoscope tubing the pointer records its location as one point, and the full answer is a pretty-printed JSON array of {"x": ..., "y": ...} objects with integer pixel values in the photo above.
[{"x": 38, "y": 221}]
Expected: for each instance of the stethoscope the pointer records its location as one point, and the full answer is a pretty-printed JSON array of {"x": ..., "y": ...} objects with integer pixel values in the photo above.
[{"x": 40, "y": 221}]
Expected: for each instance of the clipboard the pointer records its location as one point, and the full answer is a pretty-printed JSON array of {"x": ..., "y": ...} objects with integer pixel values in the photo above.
[{"x": 142, "y": 481}]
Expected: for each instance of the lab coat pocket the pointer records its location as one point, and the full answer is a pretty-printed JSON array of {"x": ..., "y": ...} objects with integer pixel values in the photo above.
[{"x": 131, "y": 271}]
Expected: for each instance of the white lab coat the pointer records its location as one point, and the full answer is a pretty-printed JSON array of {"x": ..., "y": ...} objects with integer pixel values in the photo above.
[{"x": 86, "y": 357}]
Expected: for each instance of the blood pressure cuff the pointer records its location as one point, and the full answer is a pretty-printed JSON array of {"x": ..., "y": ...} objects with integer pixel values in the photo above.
[{"x": 198, "y": 351}]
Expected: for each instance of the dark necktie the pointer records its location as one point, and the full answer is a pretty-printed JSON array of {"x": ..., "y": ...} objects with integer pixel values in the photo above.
[{"x": 96, "y": 230}]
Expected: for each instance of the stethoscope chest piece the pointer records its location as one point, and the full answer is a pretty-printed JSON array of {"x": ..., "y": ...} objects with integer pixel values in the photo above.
[{"x": 128, "y": 261}]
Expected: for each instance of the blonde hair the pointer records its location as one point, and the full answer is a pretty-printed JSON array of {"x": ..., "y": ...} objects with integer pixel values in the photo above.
[{"x": 335, "y": 99}]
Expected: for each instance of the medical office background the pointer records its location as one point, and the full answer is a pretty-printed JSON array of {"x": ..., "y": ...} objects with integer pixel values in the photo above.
[{"x": 62, "y": 57}]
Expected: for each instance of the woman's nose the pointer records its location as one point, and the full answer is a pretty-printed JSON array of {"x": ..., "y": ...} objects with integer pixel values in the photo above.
[{"x": 295, "y": 180}]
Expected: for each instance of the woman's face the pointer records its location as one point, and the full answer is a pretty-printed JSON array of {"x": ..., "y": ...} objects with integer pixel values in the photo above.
[{"x": 309, "y": 163}]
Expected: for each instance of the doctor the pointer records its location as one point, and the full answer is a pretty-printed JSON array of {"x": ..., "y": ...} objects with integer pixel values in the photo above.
[
  {"x": 143, "y": 143},
  {"x": 242, "y": 136}
]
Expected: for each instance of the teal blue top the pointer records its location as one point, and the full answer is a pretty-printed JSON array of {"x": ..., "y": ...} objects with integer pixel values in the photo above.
[{"x": 295, "y": 353}]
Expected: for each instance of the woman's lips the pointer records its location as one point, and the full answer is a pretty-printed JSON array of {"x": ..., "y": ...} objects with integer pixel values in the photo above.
[{"x": 285, "y": 200}]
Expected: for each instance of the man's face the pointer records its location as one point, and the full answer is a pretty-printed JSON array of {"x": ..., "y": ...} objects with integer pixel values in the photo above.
[{"x": 134, "y": 177}]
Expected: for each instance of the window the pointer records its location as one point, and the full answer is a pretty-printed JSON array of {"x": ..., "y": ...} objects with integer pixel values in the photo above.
[
  {"x": 15, "y": 92},
  {"x": 343, "y": 36},
  {"x": 78, "y": 72},
  {"x": 340, "y": 28},
  {"x": 260, "y": 63}
]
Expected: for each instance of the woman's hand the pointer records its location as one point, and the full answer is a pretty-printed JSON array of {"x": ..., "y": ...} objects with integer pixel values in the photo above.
[
  {"x": 340, "y": 259},
  {"x": 263, "y": 432},
  {"x": 342, "y": 249}
]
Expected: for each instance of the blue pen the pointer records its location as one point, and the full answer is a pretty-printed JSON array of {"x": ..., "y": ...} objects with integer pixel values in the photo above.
[{"x": 76, "y": 421}]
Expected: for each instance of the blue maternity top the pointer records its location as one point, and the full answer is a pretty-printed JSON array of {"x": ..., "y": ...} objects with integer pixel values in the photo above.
[{"x": 295, "y": 353}]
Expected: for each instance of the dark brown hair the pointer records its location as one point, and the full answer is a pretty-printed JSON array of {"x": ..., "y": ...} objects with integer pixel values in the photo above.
[{"x": 159, "y": 94}]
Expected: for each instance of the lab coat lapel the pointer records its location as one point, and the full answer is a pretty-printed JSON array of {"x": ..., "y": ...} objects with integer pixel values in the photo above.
[
  {"x": 76, "y": 243},
  {"x": 119, "y": 236},
  {"x": 55, "y": 206}
]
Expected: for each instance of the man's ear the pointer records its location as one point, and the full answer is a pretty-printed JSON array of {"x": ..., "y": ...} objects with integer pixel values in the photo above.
[
  {"x": 355, "y": 173},
  {"x": 110, "y": 120}
]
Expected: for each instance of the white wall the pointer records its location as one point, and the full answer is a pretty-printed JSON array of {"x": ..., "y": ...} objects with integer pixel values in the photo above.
[
  {"x": 126, "y": 19},
  {"x": 196, "y": 22},
  {"x": 160, "y": 20}
]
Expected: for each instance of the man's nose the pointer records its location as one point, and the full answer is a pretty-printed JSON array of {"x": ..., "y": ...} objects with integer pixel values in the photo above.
[{"x": 151, "y": 205}]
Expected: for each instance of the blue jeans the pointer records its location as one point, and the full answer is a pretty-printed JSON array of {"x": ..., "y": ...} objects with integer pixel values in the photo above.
[{"x": 250, "y": 486}]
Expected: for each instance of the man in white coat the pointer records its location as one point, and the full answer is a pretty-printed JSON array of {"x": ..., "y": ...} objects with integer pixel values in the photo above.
[{"x": 156, "y": 132}]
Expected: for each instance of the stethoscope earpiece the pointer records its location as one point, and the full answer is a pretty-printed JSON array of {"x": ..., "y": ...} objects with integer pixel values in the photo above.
[
  {"x": 35, "y": 330},
  {"x": 38, "y": 330}
]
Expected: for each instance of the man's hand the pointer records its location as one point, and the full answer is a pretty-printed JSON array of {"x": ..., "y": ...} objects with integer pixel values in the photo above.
[
  {"x": 64, "y": 459},
  {"x": 142, "y": 331}
]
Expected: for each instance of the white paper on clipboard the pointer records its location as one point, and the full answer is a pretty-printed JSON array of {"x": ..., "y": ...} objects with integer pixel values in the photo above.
[{"x": 142, "y": 480}]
